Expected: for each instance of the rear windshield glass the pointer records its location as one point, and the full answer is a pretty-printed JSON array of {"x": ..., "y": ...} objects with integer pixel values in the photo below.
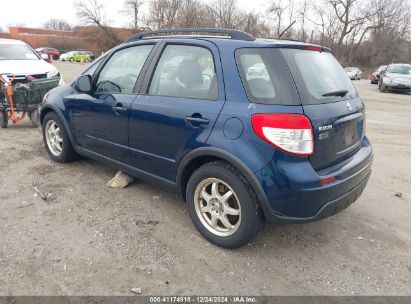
[
  {"x": 265, "y": 76},
  {"x": 318, "y": 76}
]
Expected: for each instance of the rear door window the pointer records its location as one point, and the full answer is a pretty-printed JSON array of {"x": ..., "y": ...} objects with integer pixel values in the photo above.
[
  {"x": 265, "y": 76},
  {"x": 185, "y": 71},
  {"x": 318, "y": 76}
]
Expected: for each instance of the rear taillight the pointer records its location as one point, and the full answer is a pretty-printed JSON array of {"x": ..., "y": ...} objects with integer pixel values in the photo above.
[{"x": 291, "y": 133}]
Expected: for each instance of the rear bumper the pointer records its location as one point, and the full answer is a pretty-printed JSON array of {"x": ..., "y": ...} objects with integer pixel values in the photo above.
[
  {"x": 294, "y": 192},
  {"x": 330, "y": 208}
]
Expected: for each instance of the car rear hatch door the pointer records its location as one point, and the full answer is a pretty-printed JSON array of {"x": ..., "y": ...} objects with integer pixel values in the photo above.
[{"x": 331, "y": 103}]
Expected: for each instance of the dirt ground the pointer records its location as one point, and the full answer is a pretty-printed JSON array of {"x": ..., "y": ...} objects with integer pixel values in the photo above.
[{"x": 87, "y": 239}]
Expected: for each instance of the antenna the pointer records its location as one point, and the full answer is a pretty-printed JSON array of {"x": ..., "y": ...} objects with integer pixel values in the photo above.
[{"x": 292, "y": 23}]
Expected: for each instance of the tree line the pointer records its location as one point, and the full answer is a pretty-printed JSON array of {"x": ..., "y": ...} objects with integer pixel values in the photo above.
[{"x": 360, "y": 32}]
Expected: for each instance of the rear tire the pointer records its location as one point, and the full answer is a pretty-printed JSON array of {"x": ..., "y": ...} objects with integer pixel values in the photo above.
[
  {"x": 4, "y": 119},
  {"x": 56, "y": 139},
  {"x": 229, "y": 220}
]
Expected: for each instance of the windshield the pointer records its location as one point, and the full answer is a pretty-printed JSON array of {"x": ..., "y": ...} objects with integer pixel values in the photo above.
[
  {"x": 382, "y": 68},
  {"x": 318, "y": 76},
  {"x": 17, "y": 52},
  {"x": 399, "y": 69},
  {"x": 350, "y": 69}
]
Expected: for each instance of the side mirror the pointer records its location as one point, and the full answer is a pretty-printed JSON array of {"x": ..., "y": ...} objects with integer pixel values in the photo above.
[
  {"x": 383, "y": 73},
  {"x": 44, "y": 56},
  {"x": 83, "y": 84}
]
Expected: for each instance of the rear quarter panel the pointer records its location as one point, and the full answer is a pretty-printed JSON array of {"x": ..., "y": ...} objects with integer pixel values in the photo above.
[{"x": 233, "y": 131}]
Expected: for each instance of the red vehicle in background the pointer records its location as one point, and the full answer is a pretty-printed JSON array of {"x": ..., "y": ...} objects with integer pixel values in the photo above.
[{"x": 51, "y": 52}]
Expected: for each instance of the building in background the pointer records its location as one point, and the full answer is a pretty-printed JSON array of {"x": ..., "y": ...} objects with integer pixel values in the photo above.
[{"x": 89, "y": 38}]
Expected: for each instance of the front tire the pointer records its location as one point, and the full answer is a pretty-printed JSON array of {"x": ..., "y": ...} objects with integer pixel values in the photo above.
[
  {"x": 222, "y": 205},
  {"x": 56, "y": 139}
]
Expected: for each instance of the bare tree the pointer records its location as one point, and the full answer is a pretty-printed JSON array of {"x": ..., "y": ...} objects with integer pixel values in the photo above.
[
  {"x": 92, "y": 12},
  {"x": 225, "y": 13},
  {"x": 194, "y": 14},
  {"x": 283, "y": 16},
  {"x": 163, "y": 13},
  {"x": 303, "y": 11},
  {"x": 132, "y": 8},
  {"x": 57, "y": 24},
  {"x": 352, "y": 14},
  {"x": 360, "y": 32},
  {"x": 255, "y": 25}
]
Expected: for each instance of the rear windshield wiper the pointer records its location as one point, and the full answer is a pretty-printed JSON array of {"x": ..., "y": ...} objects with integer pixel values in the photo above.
[{"x": 341, "y": 93}]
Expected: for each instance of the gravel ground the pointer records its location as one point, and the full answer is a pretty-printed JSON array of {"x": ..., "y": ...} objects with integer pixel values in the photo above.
[{"x": 88, "y": 239}]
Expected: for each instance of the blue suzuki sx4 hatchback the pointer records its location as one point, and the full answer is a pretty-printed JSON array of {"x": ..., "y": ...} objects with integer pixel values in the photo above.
[{"x": 246, "y": 130}]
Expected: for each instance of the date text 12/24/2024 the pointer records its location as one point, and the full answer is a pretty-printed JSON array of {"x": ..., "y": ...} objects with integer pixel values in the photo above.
[{"x": 203, "y": 299}]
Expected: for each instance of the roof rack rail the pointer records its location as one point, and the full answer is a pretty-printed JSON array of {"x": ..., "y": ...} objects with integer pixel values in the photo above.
[{"x": 234, "y": 34}]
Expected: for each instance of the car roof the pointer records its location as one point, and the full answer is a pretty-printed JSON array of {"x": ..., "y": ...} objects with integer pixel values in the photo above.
[
  {"x": 220, "y": 41},
  {"x": 11, "y": 41},
  {"x": 233, "y": 37}
]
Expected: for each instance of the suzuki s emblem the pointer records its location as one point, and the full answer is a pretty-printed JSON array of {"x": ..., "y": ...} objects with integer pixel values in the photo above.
[{"x": 349, "y": 106}]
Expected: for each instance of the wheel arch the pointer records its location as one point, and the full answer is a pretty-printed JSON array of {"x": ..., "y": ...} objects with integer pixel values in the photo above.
[
  {"x": 50, "y": 108},
  {"x": 201, "y": 156}
]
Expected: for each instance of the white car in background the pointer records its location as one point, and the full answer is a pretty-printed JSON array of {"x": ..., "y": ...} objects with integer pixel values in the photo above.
[
  {"x": 19, "y": 60},
  {"x": 353, "y": 73}
]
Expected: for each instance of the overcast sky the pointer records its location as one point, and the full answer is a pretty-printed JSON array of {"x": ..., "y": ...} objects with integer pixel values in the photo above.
[{"x": 33, "y": 13}]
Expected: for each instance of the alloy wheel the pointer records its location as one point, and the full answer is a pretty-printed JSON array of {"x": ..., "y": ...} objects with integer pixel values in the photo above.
[
  {"x": 217, "y": 206},
  {"x": 54, "y": 138}
]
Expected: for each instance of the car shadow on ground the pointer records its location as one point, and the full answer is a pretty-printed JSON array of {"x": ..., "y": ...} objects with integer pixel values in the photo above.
[{"x": 296, "y": 237}]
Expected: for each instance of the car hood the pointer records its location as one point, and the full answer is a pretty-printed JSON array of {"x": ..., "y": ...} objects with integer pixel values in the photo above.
[{"x": 25, "y": 67}]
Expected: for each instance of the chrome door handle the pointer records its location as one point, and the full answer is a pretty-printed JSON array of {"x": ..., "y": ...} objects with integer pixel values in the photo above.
[
  {"x": 119, "y": 109},
  {"x": 197, "y": 120}
]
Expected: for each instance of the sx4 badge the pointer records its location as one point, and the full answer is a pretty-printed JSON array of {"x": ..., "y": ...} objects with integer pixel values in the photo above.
[{"x": 324, "y": 134}]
